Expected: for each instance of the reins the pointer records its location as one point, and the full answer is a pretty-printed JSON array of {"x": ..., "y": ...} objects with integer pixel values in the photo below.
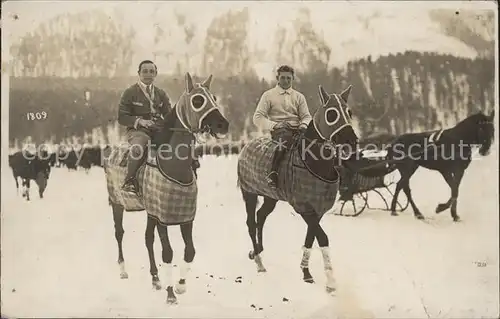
[{"x": 193, "y": 132}]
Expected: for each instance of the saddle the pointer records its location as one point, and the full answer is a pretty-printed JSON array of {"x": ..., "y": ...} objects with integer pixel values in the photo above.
[{"x": 285, "y": 139}]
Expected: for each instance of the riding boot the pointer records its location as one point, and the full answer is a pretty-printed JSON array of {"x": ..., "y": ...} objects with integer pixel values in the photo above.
[
  {"x": 131, "y": 185},
  {"x": 195, "y": 164},
  {"x": 272, "y": 177}
]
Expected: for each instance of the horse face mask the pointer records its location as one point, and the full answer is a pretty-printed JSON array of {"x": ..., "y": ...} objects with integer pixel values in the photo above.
[
  {"x": 198, "y": 109},
  {"x": 333, "y": 120}
]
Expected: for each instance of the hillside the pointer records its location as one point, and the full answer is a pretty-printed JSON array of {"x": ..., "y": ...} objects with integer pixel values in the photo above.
[
  {"x": 176, "y": 34},
  {"x": 395, "y": 94}
]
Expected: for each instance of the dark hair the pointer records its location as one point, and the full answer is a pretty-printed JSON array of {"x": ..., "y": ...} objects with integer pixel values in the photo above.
[
  {"x": 285, "y": 68},
  {"x": 146, "y": 62}
]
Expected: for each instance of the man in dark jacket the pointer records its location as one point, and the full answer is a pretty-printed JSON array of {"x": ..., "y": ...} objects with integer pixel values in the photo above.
[{"x": 140, "y": 104}]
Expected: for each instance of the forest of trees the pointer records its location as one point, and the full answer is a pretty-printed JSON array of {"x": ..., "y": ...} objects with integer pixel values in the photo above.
[{"x": 395, "y": 93}]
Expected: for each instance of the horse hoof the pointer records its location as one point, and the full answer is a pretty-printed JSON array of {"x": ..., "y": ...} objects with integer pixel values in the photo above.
[
  {"x": 251, "y": 255},
  {"x": 262, "y": 270},
  {"x": 394, "y": 214},
  {"x": 456, "y": 219},
  {"x": 330, "y": 290},
  {"x": 123, "y": 275},
  {"x": 171, "y": 300},
  {"x": 440, "y": 208},
  {"x": 157, "y": 284},
  {"x": 420, "y": 217},
  {"x": 309, "y": 280},
  {"x": 180, "y": 289}
]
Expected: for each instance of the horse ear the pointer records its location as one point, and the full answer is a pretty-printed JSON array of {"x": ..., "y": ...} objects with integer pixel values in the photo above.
[
  {"x": 323, "y": 95},
  {"x": 345, "y": 94},
  {"x": 207, "y": 82},
  {"x": 189, "y": 82}
]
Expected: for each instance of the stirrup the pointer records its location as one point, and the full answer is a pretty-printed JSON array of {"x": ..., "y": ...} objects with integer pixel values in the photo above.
[
  {"x": 270, "y": 181},
  {"x": 131, "y": 186}
]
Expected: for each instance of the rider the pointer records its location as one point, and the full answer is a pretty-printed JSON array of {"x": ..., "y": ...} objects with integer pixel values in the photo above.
[
  {"x": 281, "y": 110},
  {"x": 140, "y": 104}
]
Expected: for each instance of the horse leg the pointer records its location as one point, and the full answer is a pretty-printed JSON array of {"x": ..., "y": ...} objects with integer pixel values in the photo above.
[
  {"x": 264, "y": 211},
  {"x": 167, "y": 255},
  {"x": 189, "y": 253},
  {"x": 404, "y": 183},
  {"x": 313, "y": 224},
  {"x": 26, "y": 186},
  {"x": 407, "y": 190},
  {"x": 448, "y": 177},
  {"x": 17, "y": 184},
  {"x": 304, "y": 264},
  {"x": 119, "y": 231},
  {"x": 454, "y": 194},
  {"x": 150, "y": 239},
  {"x": 41, "y": 188},
  {"x": 399, "y": 186},
  {"x": 250, "y": 206}
]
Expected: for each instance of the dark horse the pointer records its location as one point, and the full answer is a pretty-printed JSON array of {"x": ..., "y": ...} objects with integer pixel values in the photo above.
[
  {"x": 167, "y": 180},
  {"x": 28, "y": 167},
  {"x": 308, "y": 179},
  {"x": 447, "y": 151}
]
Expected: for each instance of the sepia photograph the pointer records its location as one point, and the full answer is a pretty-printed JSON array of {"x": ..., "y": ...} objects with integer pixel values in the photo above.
[{"x": 249, "y": 159}]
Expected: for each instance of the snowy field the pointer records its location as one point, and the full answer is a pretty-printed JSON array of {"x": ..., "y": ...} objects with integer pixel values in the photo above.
[{"x": 59, "y": 255}]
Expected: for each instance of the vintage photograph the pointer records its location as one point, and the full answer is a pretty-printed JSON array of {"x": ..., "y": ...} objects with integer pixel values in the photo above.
[{"x": 249, "y": 159}]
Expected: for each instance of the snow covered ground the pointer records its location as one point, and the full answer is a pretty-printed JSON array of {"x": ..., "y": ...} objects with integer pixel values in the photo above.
[{"x": 59, "y": 255}]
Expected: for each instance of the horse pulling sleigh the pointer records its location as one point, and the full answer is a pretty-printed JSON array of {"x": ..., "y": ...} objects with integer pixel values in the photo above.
[{"x": 447, "y": 151}]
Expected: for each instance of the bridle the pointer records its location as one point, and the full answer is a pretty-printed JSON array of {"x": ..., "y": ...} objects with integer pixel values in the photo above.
[
  {"x": 193, "y": 132},
  {"x": 321, "y": 142}
]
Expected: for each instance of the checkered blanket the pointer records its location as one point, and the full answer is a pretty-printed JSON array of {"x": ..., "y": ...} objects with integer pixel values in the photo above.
[
  {"x": 163, "y": 199},
  {"x": 305, "y": 192}
]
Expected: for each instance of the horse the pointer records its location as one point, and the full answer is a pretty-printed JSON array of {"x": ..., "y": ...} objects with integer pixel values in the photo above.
[
  {"x": 166, "y": 181},
  {"x": 29, "y": 167},
  {"x": 308, "y": 180},
  {"x": 448, "y": 151}
]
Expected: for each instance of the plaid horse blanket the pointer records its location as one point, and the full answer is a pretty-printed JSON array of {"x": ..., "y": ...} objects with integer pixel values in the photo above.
[
  {"x": 305, "y": 192},
  {"x": 164, "y": 199}
]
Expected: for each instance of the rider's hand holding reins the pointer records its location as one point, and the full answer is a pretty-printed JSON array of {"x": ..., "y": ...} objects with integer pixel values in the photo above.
[
  {"x": 145, "y": 123},
  {"x": 281, "y": 125},
  {"x": 302, "y": 129}
]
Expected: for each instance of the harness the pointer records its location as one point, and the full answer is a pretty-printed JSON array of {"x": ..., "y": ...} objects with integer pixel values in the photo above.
[{"x": 298, "y": 137}]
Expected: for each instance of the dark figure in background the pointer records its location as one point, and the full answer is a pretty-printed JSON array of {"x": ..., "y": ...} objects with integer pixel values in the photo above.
[
  {"x": 283, "y": 111},
  {"x": 140, "y": 105},
  {"x": 30, "y": 166}
]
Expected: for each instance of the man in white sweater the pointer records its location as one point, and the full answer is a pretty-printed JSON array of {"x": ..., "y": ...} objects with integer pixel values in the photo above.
[{"x": 283, "y": 111}]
